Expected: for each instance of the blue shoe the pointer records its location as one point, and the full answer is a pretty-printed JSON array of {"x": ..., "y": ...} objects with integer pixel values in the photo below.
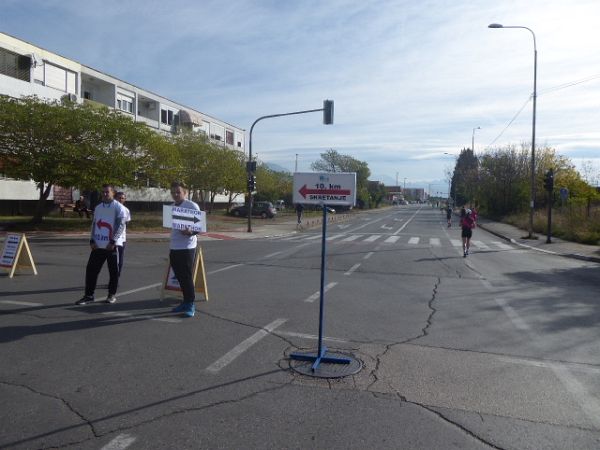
[
  {"x": 180, "y": 308},
  {"x": 189, "y": 310}
]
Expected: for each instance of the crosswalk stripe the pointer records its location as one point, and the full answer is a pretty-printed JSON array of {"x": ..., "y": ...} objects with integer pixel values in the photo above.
[
  {"x": 501, "y": 245},
  {"x": 481, "y": 245},
  {"x": 392, "y": 239},
  {"x": 456, "y": 242},
  {"x": 435, "y": 242},
  {"x": 373, "y": 238},
  {"x": 352, "y": 237},
  {"x": 335, "y": 236},
  {"x": 414, "y": 240}
]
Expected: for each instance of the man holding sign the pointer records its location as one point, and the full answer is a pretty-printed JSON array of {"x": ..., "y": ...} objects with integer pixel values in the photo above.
[
  {"x": 107, "y": 227},
  {"x": 183, "y": 251}
]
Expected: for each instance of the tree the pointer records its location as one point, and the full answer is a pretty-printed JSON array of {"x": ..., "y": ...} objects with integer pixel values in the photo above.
[{"x": 465, "y": 180}]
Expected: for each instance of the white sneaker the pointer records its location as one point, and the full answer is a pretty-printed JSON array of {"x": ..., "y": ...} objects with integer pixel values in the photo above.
[{"x": 111, "y": 299}]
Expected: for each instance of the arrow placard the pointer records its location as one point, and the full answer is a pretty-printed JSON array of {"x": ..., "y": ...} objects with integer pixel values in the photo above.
[
  {"x": 325, "y": 188},
  {"x": 182, "y": 218}
]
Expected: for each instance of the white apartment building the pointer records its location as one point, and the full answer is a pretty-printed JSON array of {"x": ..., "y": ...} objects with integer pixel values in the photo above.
[{"x": 26, "y": 69}]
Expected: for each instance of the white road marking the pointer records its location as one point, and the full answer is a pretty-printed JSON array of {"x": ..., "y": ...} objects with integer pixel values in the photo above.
[
  {"x": 352, "y": 269},
  {"x": 316, "y": 236},
  {"x": 141, "y": 316},
  {"x": 373, "y": 238},
  {"x": 270, "y": 255},
  {"x": 222, "y": 269},
  {"x": 456, "y": 242},
  {"x": 435, "y": 242},
  {"x": 512, "y": 315},
  {"x": 385, "y": 227},
  {"x": 414, "y": 240},
  {"x": 368, "y": 255},
  {"x": 15, "y": 302},
  {"x": 317, "y": 294},
  {"x": 502, "y": 245},
  {"x": 481, "y": 245},
  {"x": 350, "y": 238},
  {"x": 309, "y": 336},
  {"x": 243, "y": 346},
  {"x": 392, "y": 239},
  {"x": 121, "y": 442},
  {"x": 399, "y": 230},
  {"x": 344, "y": 226},
  {"x": 143, "y": 288},
  {"x": 335, "y": 236}
]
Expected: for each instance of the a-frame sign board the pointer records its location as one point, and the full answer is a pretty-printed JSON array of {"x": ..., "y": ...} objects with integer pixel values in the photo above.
[
  {"x": 16, "y": 254},
  {"x": 172, "y": 284}
]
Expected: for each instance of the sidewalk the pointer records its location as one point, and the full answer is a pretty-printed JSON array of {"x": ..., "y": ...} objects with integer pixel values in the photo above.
[{"x": 557, "y": 247}]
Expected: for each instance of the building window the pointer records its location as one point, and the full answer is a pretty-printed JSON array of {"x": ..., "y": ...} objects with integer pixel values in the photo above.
[
  {"x": 229, "y": 137},
  {"x": 14, "y": 65},
  {"x": 166, "y": 116},
  {"x": 125, "y": 103}
]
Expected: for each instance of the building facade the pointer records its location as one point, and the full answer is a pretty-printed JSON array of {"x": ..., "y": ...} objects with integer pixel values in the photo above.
[{"x": 26, "y": 69}]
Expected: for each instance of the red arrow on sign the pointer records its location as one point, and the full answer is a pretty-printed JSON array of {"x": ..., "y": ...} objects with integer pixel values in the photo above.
[
  {"x": 304, "y": 191},
  {"x": 103, "y": 224}
]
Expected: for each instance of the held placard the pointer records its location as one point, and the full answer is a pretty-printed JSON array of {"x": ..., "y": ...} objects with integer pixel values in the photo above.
[{"x": 16, "y": 254}]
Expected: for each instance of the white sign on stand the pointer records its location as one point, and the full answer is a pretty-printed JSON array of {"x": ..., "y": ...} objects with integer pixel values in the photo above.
[
  {"x": 325, "y": 188},
  {"x": 183, "y": 218}
]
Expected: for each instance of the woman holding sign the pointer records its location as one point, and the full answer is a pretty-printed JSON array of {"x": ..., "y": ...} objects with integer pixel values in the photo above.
[{"x": 183, "y": 251}]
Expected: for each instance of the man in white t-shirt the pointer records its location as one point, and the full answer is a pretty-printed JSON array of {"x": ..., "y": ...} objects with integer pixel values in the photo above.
[
  {"x": 121, "y": 197},
  {"x": 107, "y": 227},
  {"x": 183, "y": 251}
]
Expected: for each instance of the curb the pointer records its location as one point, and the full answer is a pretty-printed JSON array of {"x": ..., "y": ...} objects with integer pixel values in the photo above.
[{"x": 550, "y": 252}]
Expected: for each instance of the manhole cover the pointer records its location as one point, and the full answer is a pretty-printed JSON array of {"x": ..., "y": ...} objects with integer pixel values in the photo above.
[{"x": 326, "y": 369}]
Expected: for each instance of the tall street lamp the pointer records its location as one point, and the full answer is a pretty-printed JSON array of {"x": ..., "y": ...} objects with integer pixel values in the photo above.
[
  {"x": 532, "y": 201},
  {"x": 473, "y": 139}
]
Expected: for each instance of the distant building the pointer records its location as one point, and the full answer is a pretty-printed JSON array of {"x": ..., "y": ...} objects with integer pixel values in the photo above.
[{"x": 26, "y": 69}]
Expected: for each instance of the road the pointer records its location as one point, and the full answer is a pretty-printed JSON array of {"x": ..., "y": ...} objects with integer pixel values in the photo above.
[{"x": 495, "y": 350}]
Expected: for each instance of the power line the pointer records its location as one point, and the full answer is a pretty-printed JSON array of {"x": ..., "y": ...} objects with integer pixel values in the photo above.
[{"x": 510, "y": 122}]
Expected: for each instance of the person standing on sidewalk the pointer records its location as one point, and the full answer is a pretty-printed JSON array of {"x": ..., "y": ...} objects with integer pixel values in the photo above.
[
  {"x": 121, "y": 197},
  {"x": 449, "y": 215},
  {"x": 299, "y": 210},
  {"x": 183, "y": 252},
  {"x": 107, "y": 227},
  {"x": 467, "y": 224}
]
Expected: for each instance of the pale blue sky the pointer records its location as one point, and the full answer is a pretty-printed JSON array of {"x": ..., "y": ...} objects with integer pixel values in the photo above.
[{"x": 410, "y": 79}]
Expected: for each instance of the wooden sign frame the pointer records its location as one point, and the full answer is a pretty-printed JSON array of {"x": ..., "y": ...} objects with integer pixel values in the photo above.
[
  {"x": 13, "y": 257},
  {"x": 171, "y": 284}
]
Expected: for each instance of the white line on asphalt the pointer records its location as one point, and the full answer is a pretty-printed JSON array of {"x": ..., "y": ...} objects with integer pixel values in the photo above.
[
  {"x": 143, "y": 288},
  {"x": 586, "y": 401},
  {"x": 352, "y": 269},
  {"x": 335, "y": 236},
  {"x": 456, "y": 242},
  {"x": 317, "y": 294},
  {"x": 309, "y": 336},
  {"x": 222, "y": 269},
  {"x": 399, "y": 230},
  {"x": 15, "y": 302},
  {"x": 512, "y": 315},
  {"x": 350, "y": 238},
  {"x": 243, "y": 346},
  {"x": 435, "y": 242},
  {"x": 385, "y": 227},
  {"x": 368, "y": 255},
  {"x": 481, "y": 245},
  {"x": 414, "y": 240},
  {"x": 392, "y": 239},
  {"x": 270, "y": 255},
  {"x": 373, "y": 238},
  {"x": 141, "y": 316},
  {"x": 502, "y": 245},
  {"x": 121, "y": 442}
]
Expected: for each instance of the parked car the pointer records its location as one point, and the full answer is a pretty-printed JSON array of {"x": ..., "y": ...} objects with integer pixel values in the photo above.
[{"x": 261, "y": 209}]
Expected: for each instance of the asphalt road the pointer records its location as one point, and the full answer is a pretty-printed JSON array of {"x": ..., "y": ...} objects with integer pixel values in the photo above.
[{"x": 496, "y": 350}]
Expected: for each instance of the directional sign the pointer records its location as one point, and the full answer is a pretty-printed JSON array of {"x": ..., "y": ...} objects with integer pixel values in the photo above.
[
  {"x": 564, "y": 193},
  {"x": 183, "y": 218},
  {"x": 325, "y": 188}
]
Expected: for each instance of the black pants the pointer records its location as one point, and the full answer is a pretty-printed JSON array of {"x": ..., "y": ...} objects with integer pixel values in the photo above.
[
  {"x": 182, "y": 263},
  {"x": 94, "y": 265},
  {"x": 121, "y": 251}
]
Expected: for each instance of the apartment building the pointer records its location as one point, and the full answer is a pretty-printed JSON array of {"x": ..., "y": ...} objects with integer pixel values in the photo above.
[{"x": 26, "y": 69}]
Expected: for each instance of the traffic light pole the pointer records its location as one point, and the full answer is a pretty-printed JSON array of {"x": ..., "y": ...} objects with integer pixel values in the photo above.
[
  {"x": 327, "y": 120},
  {"x": 549, "y": 186}
]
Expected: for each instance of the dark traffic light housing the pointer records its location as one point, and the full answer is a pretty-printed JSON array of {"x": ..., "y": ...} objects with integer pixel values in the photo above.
[
  {"x": 327, "y": 112},
  {"x": 549, "y": 180},
  {"x": 251, "y": 183}
]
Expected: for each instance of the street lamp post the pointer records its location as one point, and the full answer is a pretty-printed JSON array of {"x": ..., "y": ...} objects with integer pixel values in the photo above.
[
  {"x": 473, "y": 139},
  {"x": 532, "y": 201}
]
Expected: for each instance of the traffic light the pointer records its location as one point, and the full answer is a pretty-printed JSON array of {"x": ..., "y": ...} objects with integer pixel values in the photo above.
[
  {"x": 327, "y": 112},
  {"x": 549, "y": 180},
  {"x": 251, "y": 183}
]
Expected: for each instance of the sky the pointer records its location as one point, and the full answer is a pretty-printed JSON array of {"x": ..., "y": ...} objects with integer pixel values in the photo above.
[{"x": 411, "y": 80}]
